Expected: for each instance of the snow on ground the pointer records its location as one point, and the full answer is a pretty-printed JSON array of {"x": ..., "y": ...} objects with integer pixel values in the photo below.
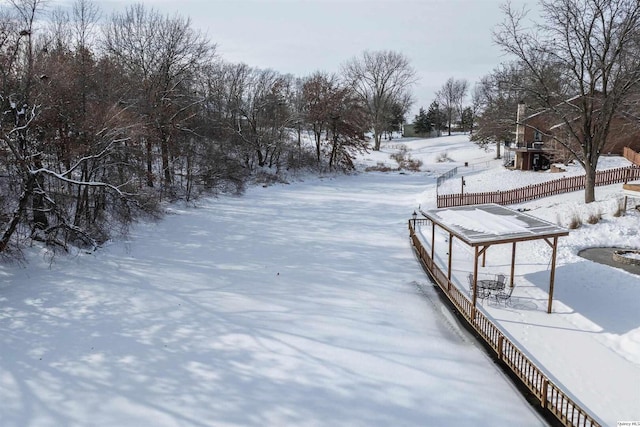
[
  {"x": 304, "y": 305},
  {"x": 294, "y": 305}
]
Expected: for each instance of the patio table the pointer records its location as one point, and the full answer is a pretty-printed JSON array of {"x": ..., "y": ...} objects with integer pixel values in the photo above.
[{"x": 487, "y": 287}]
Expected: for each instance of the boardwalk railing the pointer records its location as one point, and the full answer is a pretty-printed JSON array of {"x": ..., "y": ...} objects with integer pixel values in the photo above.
[
  {"x": 550, "y": 396},
  {"x": 536, "y": 191}
]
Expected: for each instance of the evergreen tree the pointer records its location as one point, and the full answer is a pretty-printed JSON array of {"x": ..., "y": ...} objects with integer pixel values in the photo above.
[
  {"x": 466, "y": 120},
  {"x": 396, "y": 118},
  {"x": 421, "y": 122},
  {"x": 437, "y": 117}
]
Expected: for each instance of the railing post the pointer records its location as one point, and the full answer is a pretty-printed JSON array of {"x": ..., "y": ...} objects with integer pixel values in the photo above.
[
  {"x": 543, "y": 397},
  {"x": 500, "y": 344}
]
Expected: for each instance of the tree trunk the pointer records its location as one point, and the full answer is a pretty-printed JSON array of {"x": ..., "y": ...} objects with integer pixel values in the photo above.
[
  {"x": 318, "y": 135},
  {"x": 40, "y": 220},
  {"x": 261, "y": 160},
  {"x": 149, "y": 164},
  {"x": 17, "y": 215},
  {"x": 377, "y": 138},
  {"x": 590, "y": 184},
  {"x": 334, "y": 146},
  {"x": 164, "y": 148}
]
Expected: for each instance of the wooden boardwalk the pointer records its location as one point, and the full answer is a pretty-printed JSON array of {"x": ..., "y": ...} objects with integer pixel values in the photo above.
[{"x": 551, "y": 397}]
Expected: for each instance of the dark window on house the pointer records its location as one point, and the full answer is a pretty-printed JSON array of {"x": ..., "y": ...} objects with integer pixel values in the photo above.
[{"x": 537, "y": 136}]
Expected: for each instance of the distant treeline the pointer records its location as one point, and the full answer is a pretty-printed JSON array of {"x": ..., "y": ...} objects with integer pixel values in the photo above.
[{"x": 105, "y": 119}]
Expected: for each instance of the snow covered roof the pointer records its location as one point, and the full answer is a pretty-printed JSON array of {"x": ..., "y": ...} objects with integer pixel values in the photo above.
[{"x": 491, "y": 223}]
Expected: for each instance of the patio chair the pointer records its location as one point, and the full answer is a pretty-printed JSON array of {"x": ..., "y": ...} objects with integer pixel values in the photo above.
[
  {"x": 501, "y": 279},
  {"x": 504, "y": 296},
  {"x": 483, "y": 293}
]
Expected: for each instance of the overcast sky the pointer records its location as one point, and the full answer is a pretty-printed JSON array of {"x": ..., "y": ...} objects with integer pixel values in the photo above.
[{"x": 442, "y": 38}]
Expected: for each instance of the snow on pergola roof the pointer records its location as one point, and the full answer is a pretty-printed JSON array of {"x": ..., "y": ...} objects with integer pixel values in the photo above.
[{"x": 480, "y": 225}]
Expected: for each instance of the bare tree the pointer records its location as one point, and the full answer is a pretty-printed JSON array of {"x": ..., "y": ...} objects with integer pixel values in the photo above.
[
  {"x": 336, "y": 117},
  {"x": 19, "y": 111},
  {"x": 380, "y": 80},
  {"x": 318, "y": 91},
  {"x": 161, "y": 57},
  {"x": 213, "y": 161},
  {"x": 64, "y": 141},
  {"x": 263, "y": 116},
  {"x": 347, "y": 122},
  {"x": 451, "y": 96},
  {"x": 495, "y": 99},
  {"x": 594, "y": 44}
]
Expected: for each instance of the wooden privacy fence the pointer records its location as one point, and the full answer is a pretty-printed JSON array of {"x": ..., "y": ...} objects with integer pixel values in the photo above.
[
  {"x": 632, "y": 156},
  {"x": 550, "y": 396},
  {"x": 536, "y": 191}
]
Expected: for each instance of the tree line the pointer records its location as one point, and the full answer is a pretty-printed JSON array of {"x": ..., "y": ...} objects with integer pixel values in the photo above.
[
  {"x": 106, "y": 118},
  {"x": 448, "y": 112}
]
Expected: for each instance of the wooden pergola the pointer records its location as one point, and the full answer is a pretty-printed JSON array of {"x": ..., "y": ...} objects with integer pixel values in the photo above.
[{"x": 482, "y": 226}]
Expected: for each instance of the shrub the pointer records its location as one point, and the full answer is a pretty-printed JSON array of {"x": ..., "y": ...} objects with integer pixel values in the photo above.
[
  {"x": 574, "y": 221},
  {"x": 413, "y": 165},
  {"x": 443, "y": 157},
  {"x": 619, "y": 210},
  {"x": 400, "y": 155},
  {"x": 405, "y": 161},
  {"x": 594, "y": 217},
  {"x": 379, "y": 167}
]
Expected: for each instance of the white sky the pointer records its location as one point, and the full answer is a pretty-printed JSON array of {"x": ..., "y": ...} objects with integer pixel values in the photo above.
[{"x": 442, "y": 38}]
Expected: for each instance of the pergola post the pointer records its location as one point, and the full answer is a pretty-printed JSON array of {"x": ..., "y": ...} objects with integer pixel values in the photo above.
[
  {"x": 513, "y": 262},
  {"x": 553, "y": 273},
  {"x": 433, "y": 237},
  {"x": 475, "y": 281},
  {"x": 450, "y": 252}
]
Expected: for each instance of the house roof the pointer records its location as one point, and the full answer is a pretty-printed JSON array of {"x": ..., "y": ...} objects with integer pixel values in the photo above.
[{"x": 482, "y": 225}]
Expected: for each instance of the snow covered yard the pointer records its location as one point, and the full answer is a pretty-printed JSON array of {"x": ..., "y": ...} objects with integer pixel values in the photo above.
[
  {"x": 299, "y": 305},
  {"x": 590, "y": 345},
  {"x": 292, "y": 305}
]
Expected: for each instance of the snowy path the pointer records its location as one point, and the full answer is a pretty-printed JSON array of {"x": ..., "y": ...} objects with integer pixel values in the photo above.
[{"x": 290, "y": 306}]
